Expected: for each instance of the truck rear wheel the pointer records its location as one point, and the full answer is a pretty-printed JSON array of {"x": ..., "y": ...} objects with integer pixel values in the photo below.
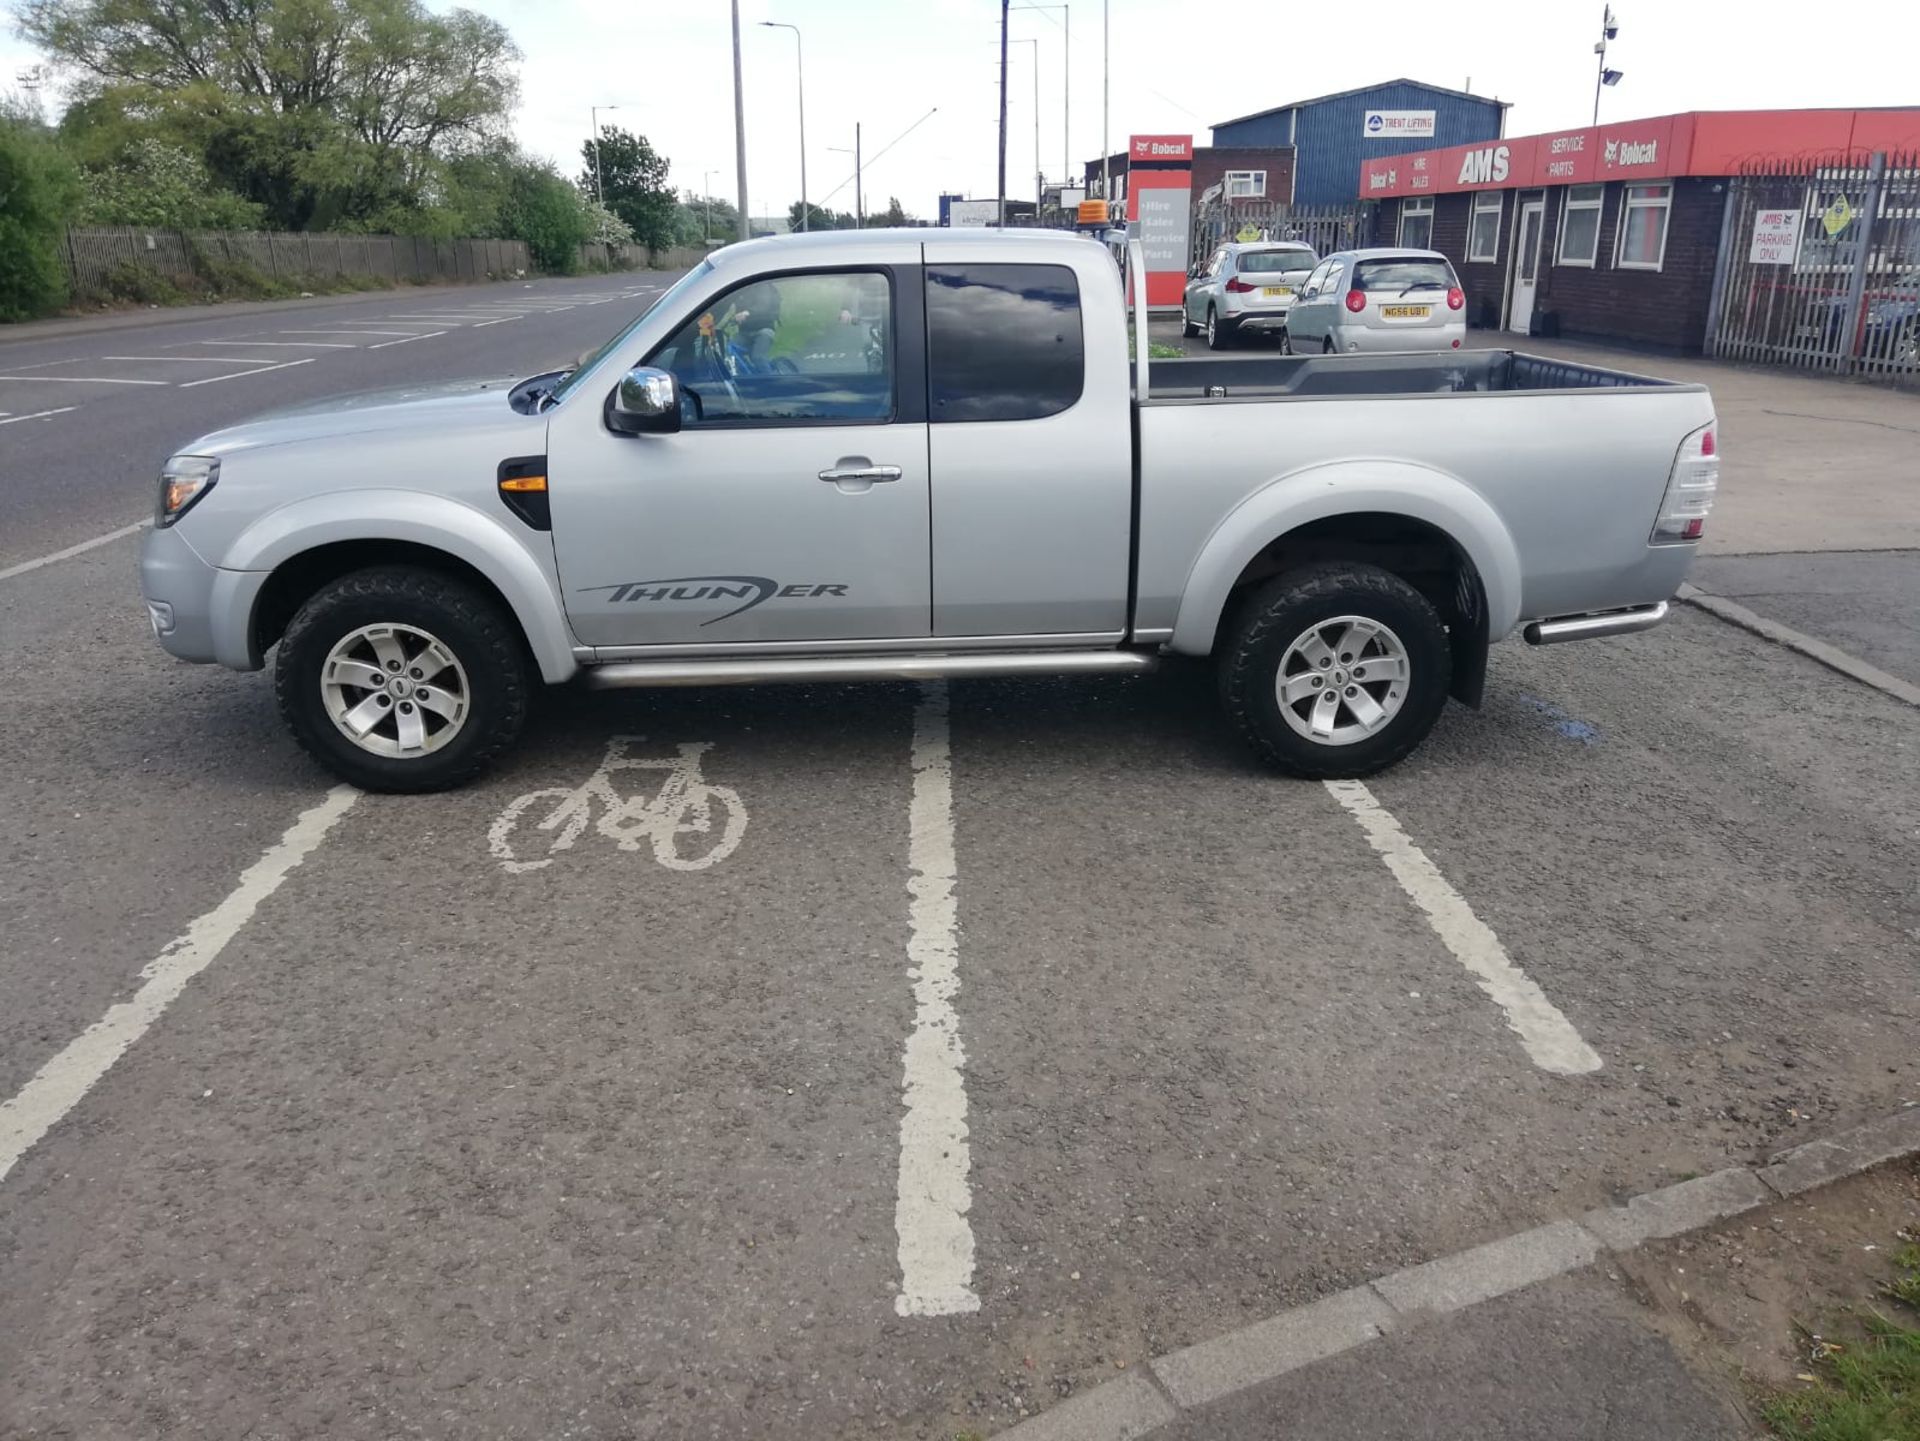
[
  {"x": 398, "y": 679},
  {"x": 1335, "y": 671}
]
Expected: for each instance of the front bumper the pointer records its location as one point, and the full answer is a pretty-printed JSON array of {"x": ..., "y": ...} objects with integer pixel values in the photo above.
[{"x": 198, "y": 611}]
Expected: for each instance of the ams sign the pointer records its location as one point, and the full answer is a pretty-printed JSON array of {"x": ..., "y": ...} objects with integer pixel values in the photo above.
[{"x": 1489, "y": 166}]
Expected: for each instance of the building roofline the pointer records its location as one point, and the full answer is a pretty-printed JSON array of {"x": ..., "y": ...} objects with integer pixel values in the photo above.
[{"x": 1359, "y": 90}]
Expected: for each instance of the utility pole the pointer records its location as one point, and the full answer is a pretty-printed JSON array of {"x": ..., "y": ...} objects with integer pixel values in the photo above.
[
  {"x": 1609, "y": 29},
  {"x": 1106, "y": 165},
  {"x": 800, "y": 67},
  {"x": 706, "y": 184},
  {"x": 740, "y": 124},
  {"x": 1066, "y": 86},
  {"x": 599, "y": 191},
  {"x": 859, "y": 196},
  {"x": 1003, "y": 112}
]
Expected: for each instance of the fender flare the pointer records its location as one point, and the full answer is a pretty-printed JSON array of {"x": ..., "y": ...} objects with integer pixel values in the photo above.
[
  {"x": 1348, "y": 487},
  {"x": 432, "y": 521}
]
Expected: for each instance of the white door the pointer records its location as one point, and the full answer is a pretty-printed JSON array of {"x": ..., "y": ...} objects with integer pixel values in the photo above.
[{"x": 1526, "y": 266}]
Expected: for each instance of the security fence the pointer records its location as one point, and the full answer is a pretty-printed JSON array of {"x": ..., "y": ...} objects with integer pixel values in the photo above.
[
  {"x": 1819, "y": 268},
  {"x": 102, "y": 261},
  {"x": 1325, "y": 227}
]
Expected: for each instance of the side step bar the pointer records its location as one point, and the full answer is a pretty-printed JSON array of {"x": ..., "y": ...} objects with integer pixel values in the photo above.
[
  {"x": 763, "y": 669},
  {"x": 1592, "y": 627}
]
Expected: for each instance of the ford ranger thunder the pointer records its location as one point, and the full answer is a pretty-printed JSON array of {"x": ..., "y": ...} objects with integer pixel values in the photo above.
[{"x": 911, "y": 453}]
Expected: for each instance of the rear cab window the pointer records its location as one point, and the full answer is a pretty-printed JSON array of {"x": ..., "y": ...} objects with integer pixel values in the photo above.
[
  {"x": 1004, "y": 342},
  {"x": 1397, "y": 275}
]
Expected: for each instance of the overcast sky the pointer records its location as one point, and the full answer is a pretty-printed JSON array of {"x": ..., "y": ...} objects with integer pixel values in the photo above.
[{"x": 1177, "y": 66}]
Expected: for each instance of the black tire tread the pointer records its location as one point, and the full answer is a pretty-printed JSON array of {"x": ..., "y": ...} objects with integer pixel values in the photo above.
[
  {"x": 1272, "y": 608},
  {"x": 503, "y": 657}
]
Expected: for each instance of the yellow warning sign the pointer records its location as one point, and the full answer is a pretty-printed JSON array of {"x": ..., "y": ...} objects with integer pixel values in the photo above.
[
  {"x": 1247, "y": 234},
  {"x": 1837, "y": 216}
]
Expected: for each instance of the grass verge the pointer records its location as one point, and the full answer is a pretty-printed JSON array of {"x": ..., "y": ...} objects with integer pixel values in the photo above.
[{"x": 1865, "y": 1385}]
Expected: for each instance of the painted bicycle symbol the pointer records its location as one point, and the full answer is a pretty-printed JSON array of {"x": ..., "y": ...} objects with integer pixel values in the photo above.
[{"x": 690, "y": 823}]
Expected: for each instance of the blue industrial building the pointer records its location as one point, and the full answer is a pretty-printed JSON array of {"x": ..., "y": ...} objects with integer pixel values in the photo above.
[{"x": 1331, "y": 134}]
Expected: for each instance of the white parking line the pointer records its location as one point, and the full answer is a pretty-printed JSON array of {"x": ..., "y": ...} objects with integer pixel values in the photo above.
[
  {"x": 424, "y": 335},
  {"x": 85, "y": 380},
  {"x": 284, "y": 344},
  {"x": 194, "y": 359},
  {"x": 57, "y": 1087},
  {"x": 483, "y": 324},
  {"x": 257, "y": 370},
  {"x": 37, "y": 415},
  {"x": 346, "y": 330},
  {"x": 933, "y": 1196},
  {"x": 1545, "y": 1034},
  {"x": 86, "y": 545}
]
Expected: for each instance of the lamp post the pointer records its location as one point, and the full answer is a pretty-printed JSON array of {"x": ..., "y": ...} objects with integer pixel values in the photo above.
[
  {"x": 1609, "y": 29},
  {"x": 1066, "y": 86},
  {"x": 599, "y": 190},
  {"x": 859, "y": 203},
  {"x": 801, "y": 71},
  {"x": 740, "y": 124},
  {"x": 1040, "y": 183},
  {"x": 1106, "y": 165},
  {"x": 706, "y": 185}
]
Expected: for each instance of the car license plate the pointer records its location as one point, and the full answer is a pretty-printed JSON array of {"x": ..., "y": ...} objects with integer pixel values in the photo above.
[
  {"x": 1276, "y": 290},
  {"x": 1406, "y": 312}
]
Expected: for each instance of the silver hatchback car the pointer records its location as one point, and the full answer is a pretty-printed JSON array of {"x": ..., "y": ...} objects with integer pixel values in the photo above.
[
  {"x": 1371, "y": 300},
  {"x": 1245, "y": 285}
]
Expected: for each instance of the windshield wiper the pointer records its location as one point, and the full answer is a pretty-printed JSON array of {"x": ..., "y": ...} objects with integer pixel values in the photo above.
[{"x": 1422, "y": 285}]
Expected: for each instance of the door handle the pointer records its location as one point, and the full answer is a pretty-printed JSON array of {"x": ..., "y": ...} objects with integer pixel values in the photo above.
[{"x": 867, "y": 473}]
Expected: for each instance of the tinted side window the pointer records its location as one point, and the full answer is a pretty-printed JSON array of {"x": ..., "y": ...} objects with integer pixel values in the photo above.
[
  {"x": 793, "y": 349},
  {"x": 1003, "y": 342}
]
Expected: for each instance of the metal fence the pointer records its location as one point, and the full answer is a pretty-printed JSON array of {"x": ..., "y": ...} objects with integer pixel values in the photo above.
[
  {"x": 1819, "y": 268},
  {"x": 97, "y": 260},
  {"x": 1325, "y": 227}
]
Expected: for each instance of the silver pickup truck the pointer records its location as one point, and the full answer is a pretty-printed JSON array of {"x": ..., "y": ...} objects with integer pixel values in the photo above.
[{"x": 913, "y": 453}]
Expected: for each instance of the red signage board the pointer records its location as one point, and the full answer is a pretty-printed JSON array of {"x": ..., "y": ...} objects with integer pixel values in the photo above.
[
  {"x": 1697, "y": 143},
  {"x": 1146, "y": 149},
  {"x": 1159, "y": 195}
]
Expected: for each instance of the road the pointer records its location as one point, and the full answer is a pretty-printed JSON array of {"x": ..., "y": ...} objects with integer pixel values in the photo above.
[{"x": 452, "y": 1131}]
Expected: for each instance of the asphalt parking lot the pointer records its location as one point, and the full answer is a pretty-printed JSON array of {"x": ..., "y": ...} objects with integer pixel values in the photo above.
[{"x": 466, "y": 1122}]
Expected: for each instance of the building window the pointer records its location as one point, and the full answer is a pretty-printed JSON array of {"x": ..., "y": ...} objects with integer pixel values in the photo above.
[
  {"x": 1246, "y": 185},
  {"x": 1580, "y": 225},
  {"x": 1643, "y": 227},
  {"x": 1416, "y": 224},
  {"x": 1483, "y": 235}
]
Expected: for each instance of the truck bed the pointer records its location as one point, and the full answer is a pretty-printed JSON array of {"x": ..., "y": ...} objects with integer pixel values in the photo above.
[{"x": 1273, "y": 377}]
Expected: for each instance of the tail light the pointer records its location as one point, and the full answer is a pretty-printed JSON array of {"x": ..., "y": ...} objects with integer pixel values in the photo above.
[
  {"x": 1456, "y": 298},
  {"x": 1241, "y": 287},
  {"x": 1356, "y": 301},
  {"x": 1690, "y": 491}
]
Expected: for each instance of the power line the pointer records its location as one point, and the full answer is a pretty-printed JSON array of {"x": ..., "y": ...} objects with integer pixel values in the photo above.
[{"x": 868, "y": 164}]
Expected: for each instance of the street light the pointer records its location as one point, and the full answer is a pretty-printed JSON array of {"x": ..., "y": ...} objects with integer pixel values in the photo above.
[
  {"x": 599, "y": 191},
  {"x": 859, "y": 202},
  {"x": 801, "y": 71},
  {"x": 706, "y": 184},
  {"x": 1609, "y": 29},
  {"x": 1066, "y": 87},
  {"x": 1040, "y": 179}
]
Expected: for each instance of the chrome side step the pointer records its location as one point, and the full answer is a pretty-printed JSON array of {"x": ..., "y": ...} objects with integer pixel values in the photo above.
[
  {"x": 1592, "y": 627},
  {"x": 761, "y": 670}
]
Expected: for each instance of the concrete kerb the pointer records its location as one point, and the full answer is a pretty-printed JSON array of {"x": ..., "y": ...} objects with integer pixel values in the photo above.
[
  {"x": 1134, "y": 1407},
  {"x": 1809, "y": 646}
]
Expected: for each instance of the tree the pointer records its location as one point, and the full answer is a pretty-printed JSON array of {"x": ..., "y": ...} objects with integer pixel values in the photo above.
[
  {"x": 818, "y": 217},
  {"x": 38, "y": 188},
  {"x": 630, "y": 176},
  {"x": 320, "y": 110},
  {"x": 544, "y": 210},
  {"x": 896, "y": 214},
  {"x": 156, "y": 184}
]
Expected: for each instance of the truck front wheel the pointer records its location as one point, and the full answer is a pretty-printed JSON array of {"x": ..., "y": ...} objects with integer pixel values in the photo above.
[
  {"x": 1335, "y": 671},
  {"x": 399, "y": 679}
]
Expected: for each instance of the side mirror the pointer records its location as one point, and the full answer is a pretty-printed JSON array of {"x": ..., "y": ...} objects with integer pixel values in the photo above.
[{"x": 646, "y": 402}]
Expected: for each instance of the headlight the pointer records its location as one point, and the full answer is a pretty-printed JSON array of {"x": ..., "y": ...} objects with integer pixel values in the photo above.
[{"x": 183, "y": 480}]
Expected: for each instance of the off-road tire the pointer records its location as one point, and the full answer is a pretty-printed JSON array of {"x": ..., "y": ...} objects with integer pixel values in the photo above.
[
  {"x": 484, "y": 639},
  {"x": 1278, "y": 612}
]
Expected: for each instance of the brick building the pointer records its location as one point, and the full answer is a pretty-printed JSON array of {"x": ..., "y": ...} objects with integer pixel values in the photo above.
[
  {"x": 1256, "y": 172},
  {"x": 1611, "y": 232}
]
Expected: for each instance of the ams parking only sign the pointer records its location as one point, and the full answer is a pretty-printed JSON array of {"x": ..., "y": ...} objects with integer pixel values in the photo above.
[{"x": 1776, "y": 237}]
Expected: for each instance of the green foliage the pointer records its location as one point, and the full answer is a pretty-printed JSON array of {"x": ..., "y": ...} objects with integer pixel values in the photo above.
[
  {"x": 321, "y": 111},
  {"x": 546, "y": 212},
  {"x": 693, "y": 227},
  {"x": 38, "y": 190},
  {"x": 632, "y": 181},
  {"x": 603, "y": 225},
  {"x": 1866, "y": 1389},
  {"x": 158, "y": 185},
  {"x": 895, "y": 214}
]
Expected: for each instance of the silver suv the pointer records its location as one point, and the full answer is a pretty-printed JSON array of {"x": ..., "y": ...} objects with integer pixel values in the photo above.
[
  {"x": 1369, "y": 300},
  {"x": 1246, "y": 285}
]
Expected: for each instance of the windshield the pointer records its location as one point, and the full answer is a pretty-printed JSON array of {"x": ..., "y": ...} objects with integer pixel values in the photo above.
[
  {"x": 619, "y": 337},
  {"x": 1252, "y": 261},
  {"x": 1397, "y": 275}
]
